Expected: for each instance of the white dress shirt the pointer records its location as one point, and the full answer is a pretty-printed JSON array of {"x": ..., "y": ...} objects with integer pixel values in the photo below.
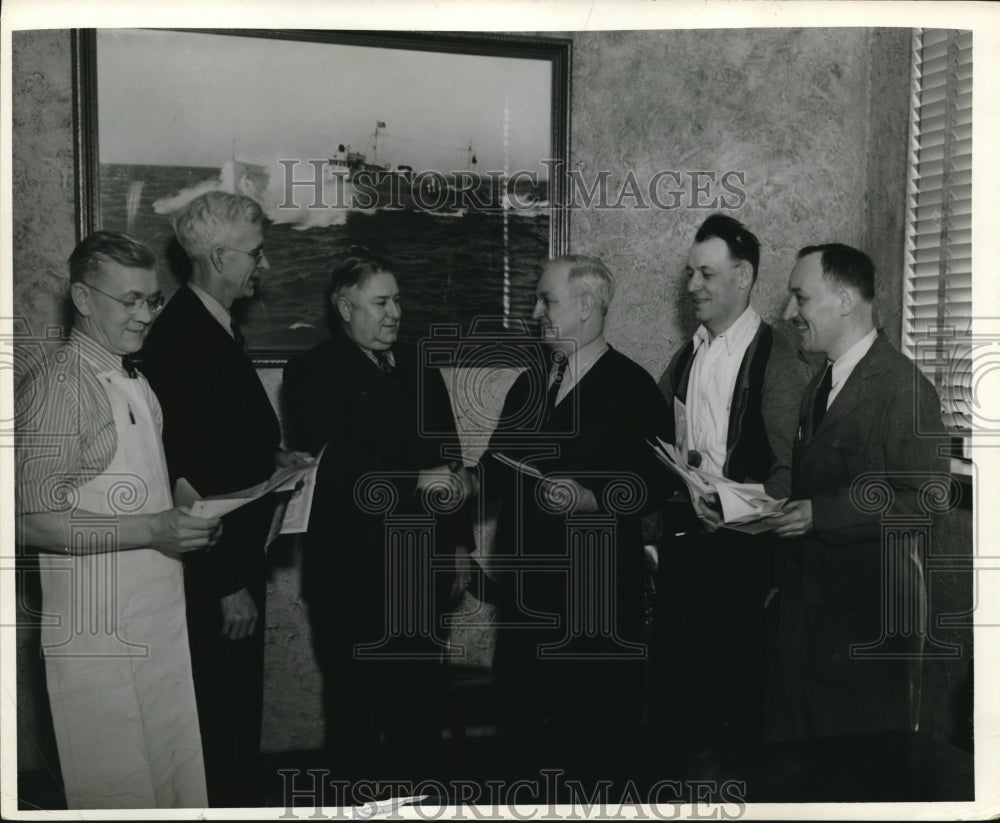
[
  {"x": 714, "y": 369},
  {"x": 844, "y": 365}
]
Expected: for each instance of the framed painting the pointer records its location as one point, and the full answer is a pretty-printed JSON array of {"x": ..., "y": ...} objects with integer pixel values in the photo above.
[{"x": 443, "y": 153}]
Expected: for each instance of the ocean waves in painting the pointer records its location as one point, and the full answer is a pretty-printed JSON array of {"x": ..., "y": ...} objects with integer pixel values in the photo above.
[{"x": 453, "y": 265}]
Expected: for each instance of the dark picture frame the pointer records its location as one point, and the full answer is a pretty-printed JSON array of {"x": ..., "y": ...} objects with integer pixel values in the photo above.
[{"x": 465, "y": 241}]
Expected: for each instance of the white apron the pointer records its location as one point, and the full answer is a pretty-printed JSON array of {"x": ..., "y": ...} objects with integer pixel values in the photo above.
[{"x": 114, "y": 638}]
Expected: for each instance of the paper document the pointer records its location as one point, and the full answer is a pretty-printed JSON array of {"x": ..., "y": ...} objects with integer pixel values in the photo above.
[
  {"x": 743, "y": 504},
  {"x": 291, "y": 515},
  {"x": 698, "y": 482},
  {"x": 518, "y": 465},
  {"x": 184, "y": 493}
]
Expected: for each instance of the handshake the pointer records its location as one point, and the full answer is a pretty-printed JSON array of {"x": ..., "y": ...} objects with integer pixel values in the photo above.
[{"x": 448, "y": 486}]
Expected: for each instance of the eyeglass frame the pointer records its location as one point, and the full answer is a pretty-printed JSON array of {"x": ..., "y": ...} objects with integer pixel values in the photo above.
[
  {"x": 135, "y": 305},
  {"x": 257, "y": 254},
  {"x": 547, "y": 301}
]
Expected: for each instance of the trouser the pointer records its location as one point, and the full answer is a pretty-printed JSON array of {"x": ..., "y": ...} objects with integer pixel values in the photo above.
[
  {"x": 382, "y": 714},
  {"x": 710, "y": 650},
  {"x": 579, "y": 718},
  {"x": 229, "y": 688}
]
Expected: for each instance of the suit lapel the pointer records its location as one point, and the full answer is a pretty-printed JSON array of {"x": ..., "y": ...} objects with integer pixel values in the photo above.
[
  {"x": 218, "y": 342},
  {"x": 210, "y": 328},
  {"x": 570, "y": 397},
  {"x": 860, "y": 387}
]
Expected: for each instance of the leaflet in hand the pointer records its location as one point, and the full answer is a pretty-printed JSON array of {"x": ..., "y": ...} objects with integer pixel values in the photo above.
[
  {"x": 294, "y": 513},
  {"x": 518, "y": 465},
  {"x": 745, "y": 504},
  {"x": 291, "y": 516},
  {"x": 699, "y": 483}
]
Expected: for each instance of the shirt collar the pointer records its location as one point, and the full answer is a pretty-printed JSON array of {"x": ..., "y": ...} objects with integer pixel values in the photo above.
[
  {"x": 214, "y": 307},
  {"x": 580, "y": 360},
  {"x": 95, "y": 354},
  {"x": 844, "y": 365},
  {"x": 370, "y": 354},
  {"x": 742, "y": 329}
]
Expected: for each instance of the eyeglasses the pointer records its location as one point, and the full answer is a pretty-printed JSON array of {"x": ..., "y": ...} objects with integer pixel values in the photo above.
[
  {"x": 257, "y": 254},
  {"x": 547, "y": 301},
  {"x": 132, "y": 305}
]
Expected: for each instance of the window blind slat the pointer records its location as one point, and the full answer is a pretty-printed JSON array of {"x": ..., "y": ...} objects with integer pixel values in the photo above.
[{"x": 939, "y": 216}]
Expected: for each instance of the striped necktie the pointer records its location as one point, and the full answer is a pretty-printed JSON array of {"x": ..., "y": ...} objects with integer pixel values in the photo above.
[{"x": 382, "y": 358}]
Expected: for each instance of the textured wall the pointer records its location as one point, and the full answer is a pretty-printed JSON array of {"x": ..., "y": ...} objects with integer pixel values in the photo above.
[
  {"x": 788, "y": 107},
  {"x": 815, "y": 120},
  {"x": 42, "y": 174},
  {"x": 889, "y": 123},
  {"x": 44, "y": 234}
]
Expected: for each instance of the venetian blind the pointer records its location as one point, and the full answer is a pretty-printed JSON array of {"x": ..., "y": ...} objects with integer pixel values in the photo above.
[{"x": 937, "y": 300}]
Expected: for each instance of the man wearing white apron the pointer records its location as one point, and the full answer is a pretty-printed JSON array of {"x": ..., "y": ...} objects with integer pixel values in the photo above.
[{"x": 93, "y": 496}]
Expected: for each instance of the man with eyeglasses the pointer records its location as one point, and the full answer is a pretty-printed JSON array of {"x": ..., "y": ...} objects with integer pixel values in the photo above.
[
  {"x": 220, "y": 434},
  {"x": 93, "y": 496},
  {"x": 570, "y": 651}
]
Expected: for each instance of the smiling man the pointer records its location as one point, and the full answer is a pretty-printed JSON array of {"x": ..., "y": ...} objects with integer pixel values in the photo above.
[
  {"x": 738, "y": 377},
  {"x": 570, "y": 651},
  {"x": 869, "y": 414},
  {"x": 386, "y": 422},
  {"x": 740, "y": 380},
  {"x": 93, "y": 495},
  {"x": 220, "y": 434}
]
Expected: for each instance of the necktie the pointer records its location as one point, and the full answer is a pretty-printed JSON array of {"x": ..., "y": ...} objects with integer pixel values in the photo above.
[
  {"x": 553, "y": 393},
  {"x": 238, "y": 335},
  {"x": 382, "y": 358},
  {"x": 822, "y": 396},
  {"x": 131, "y": 362}
]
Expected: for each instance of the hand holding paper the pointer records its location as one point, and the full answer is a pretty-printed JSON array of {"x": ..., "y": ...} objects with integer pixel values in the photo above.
[
  {"x": 292, "y": 516},
  {"x": 525, "y": 468},
  {"x": 699, "y": 483},
  {"x": 560, "y": 494},
  {"x": 743, "y": 502},
  {"x": 741, "y": 506},
  {"x": 795, "y": 519},
  {"x": 709, "y": 512}
]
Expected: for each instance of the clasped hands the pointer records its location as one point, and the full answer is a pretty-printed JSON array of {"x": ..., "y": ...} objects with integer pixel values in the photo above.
[
  {"x": 451, "y": 482},
  {"x": 563, "y": 495}
]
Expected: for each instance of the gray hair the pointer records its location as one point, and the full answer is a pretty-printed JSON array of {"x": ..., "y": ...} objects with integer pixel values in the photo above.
[
  {"x": 201, "y": 223},
  {"x": 589, "y": 274}
]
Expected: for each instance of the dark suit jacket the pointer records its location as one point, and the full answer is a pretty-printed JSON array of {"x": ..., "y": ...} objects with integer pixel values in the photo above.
[
  {"x": 219, "y": 431},
  {"x": 886, "y": 423},
  {"x": 598, "y": 436},
  {"x": 370, "y": 422}
]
